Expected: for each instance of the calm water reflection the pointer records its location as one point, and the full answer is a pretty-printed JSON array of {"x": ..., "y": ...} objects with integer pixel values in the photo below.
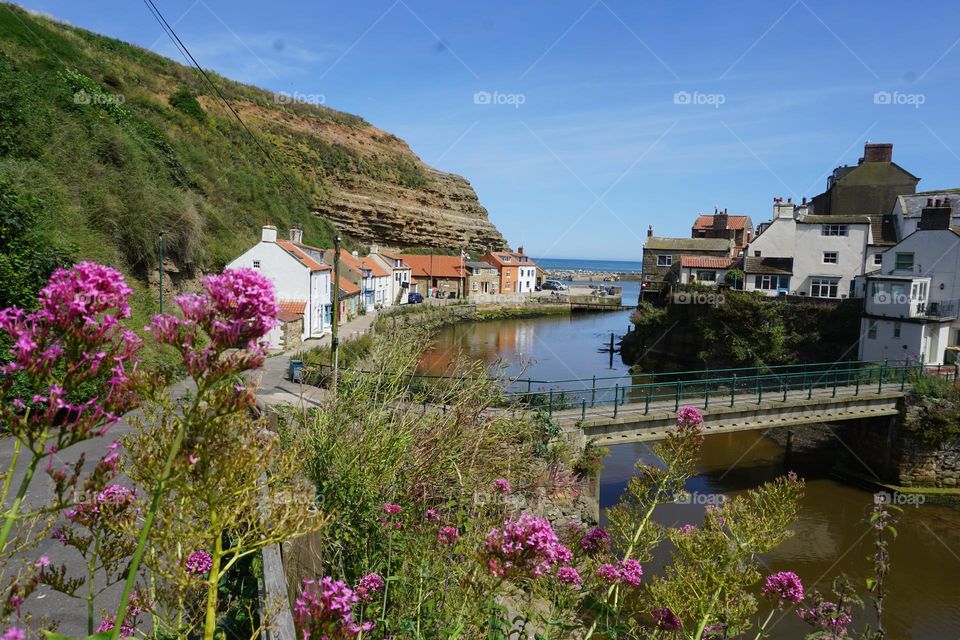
[{"x": 923, "y": 601}]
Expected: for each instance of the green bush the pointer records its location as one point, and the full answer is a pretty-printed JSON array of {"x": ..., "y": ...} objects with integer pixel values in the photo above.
[{"x": 184, "y": 100}]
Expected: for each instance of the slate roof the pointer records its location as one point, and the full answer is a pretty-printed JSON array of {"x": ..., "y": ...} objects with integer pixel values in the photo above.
[
  {"x": 770, "y": 266},
  {"x": 816, "y": 219},
  {"x": 688, "y": 244},
  {"x": 703, "y": 262},
  {"x": 912, "y": 204},
  {"x": 480, "y": 265}
]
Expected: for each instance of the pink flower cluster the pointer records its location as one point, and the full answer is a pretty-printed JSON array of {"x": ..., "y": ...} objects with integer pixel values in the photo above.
[
  {"x": 369, "y": 584},
  {"x": 666, "y": 620},
  {"x": 597, "y": 539},
  {"x": 570, "y": 576},
  {"x": 827, "y": 616},
  {"x": 198, "y": 563},
  {"x": 526, "y": 547},
  {"x": 689, "y": 416},
  {"x": 501, "y": 485},
  {"x": 629, "y": 572},
  {"x": 106, "y": 505},
  {"x": 13, "y": 633},
  {"x": 77, "y": 335},
  {"x": 107, "y": 624},
  {"x": 448, "y": 535},
  {"x": 325, "y": 610},
  {"x": 783, "y": 586},
  {"x": 392, "y": 510},
  {"x": 236, "y": 310}
]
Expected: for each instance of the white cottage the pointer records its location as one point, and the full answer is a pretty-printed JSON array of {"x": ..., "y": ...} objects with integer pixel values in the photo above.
[
  {"x": 913, "y": 302},
  {"x": 300, "y": 277},
  {"x": 808, "y": 255}
]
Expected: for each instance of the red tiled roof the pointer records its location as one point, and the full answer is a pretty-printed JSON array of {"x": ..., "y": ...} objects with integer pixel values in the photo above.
[
  {"x": 288, "y": 316},
  {"x": 497, "y": 258},
  {"x": 368, "y": 263},
  {"x": 293, "y": 306},
  {"x": 301, "y": 255},
  {"x": 348, "y": 287},
  {"x": 733, "y": 222},
  {"x": 702, "y": 262},
  {"x": 433, "y": 266}
]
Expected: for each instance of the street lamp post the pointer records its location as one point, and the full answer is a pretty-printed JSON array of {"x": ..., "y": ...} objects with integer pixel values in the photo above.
[
  {"x": 160, "y": 239},
  {"x": 334, "y": 340}
]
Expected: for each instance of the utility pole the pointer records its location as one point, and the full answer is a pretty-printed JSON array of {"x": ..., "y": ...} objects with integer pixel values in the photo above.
[
  {"x": 160, "y": 237},
  {"x": 334, "y": 340}
]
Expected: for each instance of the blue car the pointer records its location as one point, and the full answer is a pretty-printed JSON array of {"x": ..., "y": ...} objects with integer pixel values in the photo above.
[{"x": 414, "y": 298}]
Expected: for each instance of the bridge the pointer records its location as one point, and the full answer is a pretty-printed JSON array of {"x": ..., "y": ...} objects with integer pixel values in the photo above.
[{"x": 644, "y": 407}]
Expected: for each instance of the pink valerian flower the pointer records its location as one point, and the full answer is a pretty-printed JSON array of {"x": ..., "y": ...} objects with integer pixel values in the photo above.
[
  {"x": 325, "y": 610},
  {"x": 80, "y": 314},
  {"x": 687, "y": 529},
  {"x": 526, "y": 547},
  {"x": 448, "y": 535},
  {"x": 369, "y": 584},
  {"x": 608, "y": 572},
  {"x": 107, "y": 624},
  {"x": 392, "y": 509},
  {"x": 783, "y": 586},
  {"x": 631, "y": 572},
  {"x": 569, "y": 575},
  {"x": 198, "y": 563},
  {"x": 501, "y": 485},
  {"x": 597, "y": 539},
  {"x": 689, "y": 416},
  {"x": 13, "y": 633},
  {"x": 42, "y": 563},
  {"x": 666, "y": 620},
  {"x": 432, "y": 515},
  {"x": 236, "y": 310},
  {"x": 826, "y": 616}
]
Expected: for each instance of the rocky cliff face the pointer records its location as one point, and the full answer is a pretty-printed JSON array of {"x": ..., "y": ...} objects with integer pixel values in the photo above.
[{"x": 445, "y": 212}]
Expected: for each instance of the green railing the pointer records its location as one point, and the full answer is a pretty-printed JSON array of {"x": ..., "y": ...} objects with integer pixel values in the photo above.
[{"x": 729, "y": 390}]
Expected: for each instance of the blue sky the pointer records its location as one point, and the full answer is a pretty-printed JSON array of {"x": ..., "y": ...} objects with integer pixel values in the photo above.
[{"x": 584, "y": 140}]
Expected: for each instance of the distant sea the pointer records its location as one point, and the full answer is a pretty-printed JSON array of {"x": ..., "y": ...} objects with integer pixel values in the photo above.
[{"x": 561, "y": 264}]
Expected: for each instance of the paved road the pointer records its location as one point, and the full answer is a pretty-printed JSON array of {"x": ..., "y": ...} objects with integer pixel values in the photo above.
[{"x": 272, "y": 388}]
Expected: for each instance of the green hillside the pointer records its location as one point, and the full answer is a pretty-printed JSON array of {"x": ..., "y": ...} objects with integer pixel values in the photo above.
[{"x": 104, "y": 144}]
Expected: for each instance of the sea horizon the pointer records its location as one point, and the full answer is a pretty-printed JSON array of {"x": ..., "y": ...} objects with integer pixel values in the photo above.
[{"x": 590, "y": 264}]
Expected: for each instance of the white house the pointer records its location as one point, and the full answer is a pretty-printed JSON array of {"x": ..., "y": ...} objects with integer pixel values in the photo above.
[
  {"x": 808, "y": 255},
  {"x": 368, "y": 273},
  {"x": 400, "y": 275},
  {"x": 704, "y": 270},
  {"x": 908, "y": 208},
  {"x": 912, "y": 304},
  {"x": 301, "y": 280}
]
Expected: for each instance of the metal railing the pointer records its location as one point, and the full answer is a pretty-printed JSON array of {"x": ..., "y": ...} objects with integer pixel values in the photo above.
[{"x": 733, "y": 389}]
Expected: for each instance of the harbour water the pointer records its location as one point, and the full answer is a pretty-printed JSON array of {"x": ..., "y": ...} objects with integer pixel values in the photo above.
[{"x": 831, "y": 537}]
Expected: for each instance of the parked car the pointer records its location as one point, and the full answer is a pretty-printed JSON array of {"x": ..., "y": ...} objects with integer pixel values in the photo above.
[
  {"x": 414, "y": 298},
  {"x": 553, "y": 285}
]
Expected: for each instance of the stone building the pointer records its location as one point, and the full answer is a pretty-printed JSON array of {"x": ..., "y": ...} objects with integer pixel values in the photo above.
[{"x": 869, "y": 188}]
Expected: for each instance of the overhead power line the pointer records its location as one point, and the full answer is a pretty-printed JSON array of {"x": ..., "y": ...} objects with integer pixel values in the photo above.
[{"x": 185, "y": 52}]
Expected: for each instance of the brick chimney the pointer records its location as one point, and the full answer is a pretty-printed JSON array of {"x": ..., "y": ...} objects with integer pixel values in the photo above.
[
  {"x": 782, "y": 209},
  {"x": 296, "y": 233},
  {"x": 721, "y": 220},
  {"x": 520, "y": 250},
  {"x": 269, "y": 233},
  {"x": 936, "y": 215},
  {"x": 650, "y": 231},
  {"x": 878, "y": 152}
]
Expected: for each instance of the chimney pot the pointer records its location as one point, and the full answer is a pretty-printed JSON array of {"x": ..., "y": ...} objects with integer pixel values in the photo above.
[
  {"x": 929, "y": 202},
  {"x": 269, "y": 233},
  {"x": 296, "y": 233},
  {"x": 804, "y": 201},
  {"x": 936, "y": 202},
  {"x": 650, "y": 231}
]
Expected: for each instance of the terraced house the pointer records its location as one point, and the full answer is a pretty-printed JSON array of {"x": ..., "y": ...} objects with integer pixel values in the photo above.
[
  {"x": 518, "y": 273},
  {"x": 660, "y": 254}
]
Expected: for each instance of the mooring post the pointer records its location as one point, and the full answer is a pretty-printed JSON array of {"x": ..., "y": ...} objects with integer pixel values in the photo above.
[
  {"x": 733, "y": 388},
  {"x": 583, "y": 409},
  {"x": 784, "y": 390},
  {"x": 856, "y": 391},
  {"x": 616, "y": 405},
  {"x": 593, "y": 392},
  {"x": 834, "y": 385},
  {"x": 646, "y": 404},
  {"x": 706, "y": 396},
  {"x": 810, "y": 390},
  {"x": 759, "y": 391}
]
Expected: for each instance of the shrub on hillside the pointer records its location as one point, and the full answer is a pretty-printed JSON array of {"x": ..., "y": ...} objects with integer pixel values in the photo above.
[{"x": 183, "y": 100}]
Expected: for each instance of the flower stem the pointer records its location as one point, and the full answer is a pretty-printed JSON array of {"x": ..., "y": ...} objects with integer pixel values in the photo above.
[
  {"x": 10, "y": 516},
  {"x": 210, "y": 621}
]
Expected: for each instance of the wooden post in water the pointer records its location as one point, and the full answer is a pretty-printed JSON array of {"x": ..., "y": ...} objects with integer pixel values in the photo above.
[
  {"x": 611, "y": 349},
  {"x": 616, "y": 394}
]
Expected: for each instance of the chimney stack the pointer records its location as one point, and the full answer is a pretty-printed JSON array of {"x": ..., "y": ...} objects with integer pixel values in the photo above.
[
  {"x": 650, "y": 231},
  {"x": 269, "y": 233},
  {"x": 878, "y": 152},
  {"x": 520, "y": 250},
  {"x": 296, "y": 233},
  {"x": 936, "y": 217},
  {"x": 374, "y": 249},
  {"x": 720, "y": 220}
]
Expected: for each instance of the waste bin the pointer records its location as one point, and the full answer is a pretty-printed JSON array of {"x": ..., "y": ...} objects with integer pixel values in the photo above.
[{"x": 296, "y": 370}]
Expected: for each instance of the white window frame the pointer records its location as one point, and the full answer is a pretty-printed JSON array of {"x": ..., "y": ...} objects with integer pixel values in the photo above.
[
  {"x": 831, "y": 257},
  {"x": 817, "y": 286},
  {"x": 664, "y": 260},
  {"x": 904, "y": 254},
  {"x": 877, "y": 259},
  {"x": 834, "y": 230}
]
